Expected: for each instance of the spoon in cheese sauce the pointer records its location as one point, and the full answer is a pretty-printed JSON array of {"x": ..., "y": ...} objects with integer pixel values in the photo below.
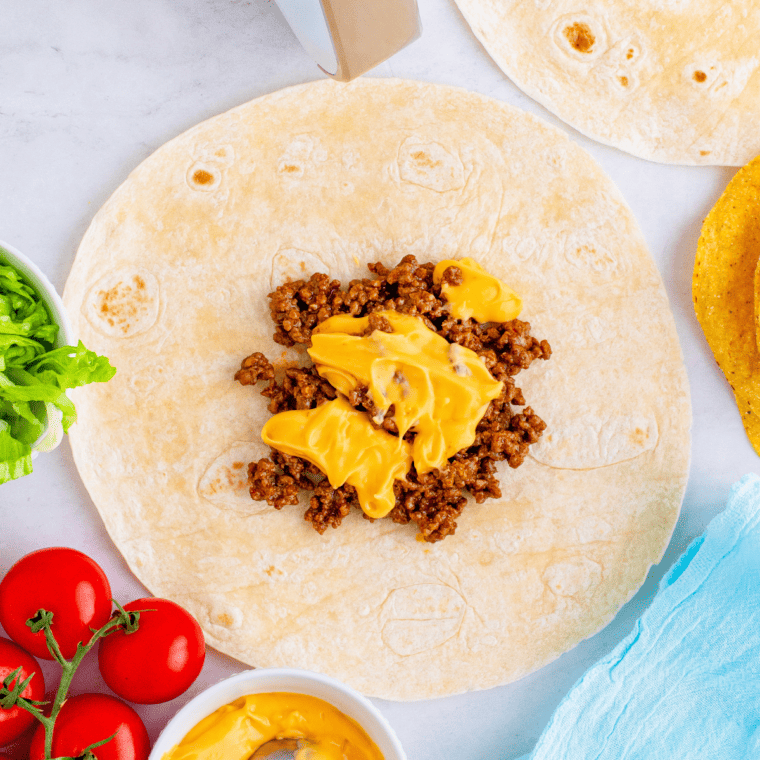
[
  {"x": 286, "y": 749},
  {"x": 277, "y": 726}
]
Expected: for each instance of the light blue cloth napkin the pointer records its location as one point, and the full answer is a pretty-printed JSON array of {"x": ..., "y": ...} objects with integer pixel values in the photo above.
[{"x": 685, "y": 685}]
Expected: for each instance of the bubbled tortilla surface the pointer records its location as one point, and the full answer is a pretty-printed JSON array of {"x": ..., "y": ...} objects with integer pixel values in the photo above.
[
  {"x": 675, "y": 81},
  {"x": 171, "y": 282}
]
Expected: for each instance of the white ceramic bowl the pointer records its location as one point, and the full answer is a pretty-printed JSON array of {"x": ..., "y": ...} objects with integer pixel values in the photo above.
[
  {"x": 34, "y": 276},
  {"x": 265, "y": 680}
]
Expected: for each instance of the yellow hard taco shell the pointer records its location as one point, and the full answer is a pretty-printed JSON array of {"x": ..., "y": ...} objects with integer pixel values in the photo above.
[{"x": 725, "y": 287}]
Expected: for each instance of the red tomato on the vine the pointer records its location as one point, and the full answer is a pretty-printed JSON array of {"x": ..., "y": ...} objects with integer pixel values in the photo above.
[
  {"x": 89, "y": 718},
  {"x": 15, "y": 721},
  {"x": 64, "y": 581},
  {"x": 159, "y": 660}
]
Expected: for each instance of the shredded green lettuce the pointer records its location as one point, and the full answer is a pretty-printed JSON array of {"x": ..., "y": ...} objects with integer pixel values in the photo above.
[{"x": 34, "y": 376}]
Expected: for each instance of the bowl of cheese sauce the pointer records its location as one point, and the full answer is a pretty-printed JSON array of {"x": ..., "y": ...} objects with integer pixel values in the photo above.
[{"x": 234, "y": 718}]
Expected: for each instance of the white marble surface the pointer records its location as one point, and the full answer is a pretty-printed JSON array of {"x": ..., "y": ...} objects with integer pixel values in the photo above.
[{"x": 90, "y": 88}]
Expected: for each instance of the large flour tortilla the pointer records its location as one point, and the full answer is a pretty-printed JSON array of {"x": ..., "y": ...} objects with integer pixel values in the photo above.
[
  {"x": 675, "y": 81},
  {"x": 171, "y": 283}
]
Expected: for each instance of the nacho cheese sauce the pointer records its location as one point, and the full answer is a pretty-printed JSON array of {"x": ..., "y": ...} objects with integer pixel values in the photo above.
[
  {"x": 401, "y": 376},
  {"x": 237, "y": 730},
  {"x": 479, "y": 295},
  {"x": 437, "y": 389},
  {"x": 370, "y": 463}
]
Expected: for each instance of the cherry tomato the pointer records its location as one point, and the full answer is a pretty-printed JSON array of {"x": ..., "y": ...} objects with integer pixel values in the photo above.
[
  {"x": 159, "y": 660},
  {"x": 89, "y": 718},
  {"x": 15, "y": 721},
  {"x": 66, "y": 582}
]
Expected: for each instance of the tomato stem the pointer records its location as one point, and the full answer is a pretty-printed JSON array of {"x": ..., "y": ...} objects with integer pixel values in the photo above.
[
  {"x": 9, "y": 695},
  {"x": 131, "y": 620},
  {"x": 69, "y": 668},
  {"x": 42, "y": 621},
  {"x": 88, "y": 754},
  {"x": 52, "y": 644}
]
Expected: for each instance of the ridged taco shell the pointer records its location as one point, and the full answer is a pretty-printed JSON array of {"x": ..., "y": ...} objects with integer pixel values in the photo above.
[{"x": 724, "y": 289}]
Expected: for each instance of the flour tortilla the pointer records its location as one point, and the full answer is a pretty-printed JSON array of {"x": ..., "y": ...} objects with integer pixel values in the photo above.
[
  {"x": 674, "y": 81},
  {"x": 171, "y": 282}
]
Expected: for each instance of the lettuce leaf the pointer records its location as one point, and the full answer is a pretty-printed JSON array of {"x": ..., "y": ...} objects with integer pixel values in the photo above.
[
  {"x": 71, "y": 367},
  {"x": 15, "y": 456},
  {"x": 34, "y": 376}
]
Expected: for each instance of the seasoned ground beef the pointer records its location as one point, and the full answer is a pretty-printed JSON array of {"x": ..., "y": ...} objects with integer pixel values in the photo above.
[{"x": 434, "y": 500}]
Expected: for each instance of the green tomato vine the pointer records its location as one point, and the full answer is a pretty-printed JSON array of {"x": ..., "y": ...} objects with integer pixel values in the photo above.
[{"x": 10, "y": 694}]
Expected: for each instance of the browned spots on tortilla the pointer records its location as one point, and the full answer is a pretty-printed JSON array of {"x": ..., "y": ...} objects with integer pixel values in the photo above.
[
  {"x": 283, "y": 364},
  {"x": 629, "y": 55},
  {"x": 700, "y": 76},
  {"x": 115, "y": 302},
  {"x": 121, "y": 303},
  {"x": 624, "y": 81},
  {"x": 423, "y": 159},
  {"x": 290, "y": 168},
  {"x": 225, "y": 619},
  {"x": 704, "y": 152},
  {"x": 238, "y": 465},
  {"x": 215, "y": 486},
  {"x": 202, "y": 177},
  {"x": 227, "y": 481},
  {"x": 580, "y": 37},
  {"x": 269, "y": 570},
  {"x": 638, "y": 436}
]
